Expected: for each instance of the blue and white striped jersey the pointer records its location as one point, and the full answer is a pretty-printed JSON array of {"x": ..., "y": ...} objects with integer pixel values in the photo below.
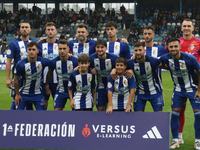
[
  {"x": 156, "y": 51},
  {"x": 120, "y": 88},
  {"x": 17, "y": 50},
  {"x": 183, "y": 71},
  {"x": 87, "y": 48},
  {"x": 103, "y": 67},
  {"x": 146, "y": 75},
  {"x": 63, "y": 70},
  {"x": 83, "y": 84},
  {"x": 50, "y": 51},
  {"x": 31, "y": 74},
  {"x": 120, "y": 49}
]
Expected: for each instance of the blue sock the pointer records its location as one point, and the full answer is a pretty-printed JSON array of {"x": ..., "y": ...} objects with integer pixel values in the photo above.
[
  {"x": 175, "y": 124},
  {"x": 197, "y": 124}
]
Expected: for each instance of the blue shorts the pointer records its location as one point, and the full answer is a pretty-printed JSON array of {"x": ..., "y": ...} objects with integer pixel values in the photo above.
[
  {"x": 37, "y": 100},
  {"x": 52, "y": 87},
  {"x": 60, "y": 99},
  {"x": 102, "y": 97},
  {"x": 156, "y": 100},
  {"x": 178, "y": 99}
]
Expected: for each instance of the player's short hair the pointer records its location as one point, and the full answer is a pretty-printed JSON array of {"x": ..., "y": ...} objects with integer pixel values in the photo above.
[
  {"x": 82, "y": 25},
  {"x": 83, "y": 58},
  {"x": 138, "y": 44},
  {"x": 50, "y": 24},
  {"x": 32, "y": 43},
  {"x": 149, "y": 28},
  {"x": 173, "y": 40},
  {"x": 188, "y": 20},
  {"x": 101, "y": 42},
  {"x": 63, "y": 42},
  {"x": 111, "y": 24},
  {"x": 25, "y": 22},
  {"x": 121, "y": 60}
]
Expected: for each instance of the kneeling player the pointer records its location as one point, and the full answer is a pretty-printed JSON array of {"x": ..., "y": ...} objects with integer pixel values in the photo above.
[
  {"x": 30, "y": 70},
  {"x": 122, "y": 90},
  {"x": 84, "y": 82}
]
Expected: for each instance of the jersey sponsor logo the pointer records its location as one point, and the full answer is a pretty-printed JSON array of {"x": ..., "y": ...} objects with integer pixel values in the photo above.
[
  {"x": 109, "y": 85},
  {"x": 8, "y": 52},
  {"x": 192, "y": 47},
  {"x": 152, "y": 134},
  {"x": 86, "y": 131},
  {"x": 24, "y": 54},
  {"x": 51, "y": 55}
]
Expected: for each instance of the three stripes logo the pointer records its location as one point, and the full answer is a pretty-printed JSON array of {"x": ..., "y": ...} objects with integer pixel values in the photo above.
[{"x": 152, "y": 134}]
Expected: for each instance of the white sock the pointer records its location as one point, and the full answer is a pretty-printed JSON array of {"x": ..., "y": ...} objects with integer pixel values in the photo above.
[{"x": 180, "y": 135}]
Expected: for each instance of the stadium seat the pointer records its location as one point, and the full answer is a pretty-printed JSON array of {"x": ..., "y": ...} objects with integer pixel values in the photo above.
[
  {"x": 149, "y": 24},
  {"x": 193, "y": 20},
  {"x": 68, "y": 35},
  {"x": 61, "y": 28},
  {"x": 193, "y": 23},
  {"x": 156, "y": 35},
  {"x": 173, "y": 24},
  {"x": 11, "y": 39},
  {"x": 179, "y": 24},
  {"x": 169, "y": 24},
  {"x": 82, "y": 21},
  {"x": 101, "y": 36},
  {"x": 196, "y": 35},
  {"x": 160, "y": 39},
  {"x": 70, "y": 39},
  {"x": 155, "y": 39},
  {"x": 78, "y": 21},
  {"x": 72, "y": 24},
  {"x": 105, "y": 39},
  {"x": 103, "y": 28},
  {"x": 75, "y": 27},
  {"x": 4, "y": 34},
  {"x": 136, "y": 21},
  {"x": 119, "y": 28},
  {"x": 95, "y": 39},
  {"x": 132, "y": 47},
  {"x": 102, "y": 32},
  {"x": 119, "y": 24},
  {"x": 37, "y": 39},
  {"x": 146, "y": 20},
  {"x": 9, "y": 35},
  {"x": 58, "y": 35},
  {"x": 150, "y": 20},
  {"x": 141, "y": 21},
  {"x": 43, "y": 35},
  {"x": 89, "y": 28}
]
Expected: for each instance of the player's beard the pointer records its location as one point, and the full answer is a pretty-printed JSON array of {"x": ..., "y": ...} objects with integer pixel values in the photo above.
[
  {"x": 140, "y": 58},
  {"x": 25, "y": 35},
  {"x": 149, "y": 40},
  {"x": 81, "y": 38}
]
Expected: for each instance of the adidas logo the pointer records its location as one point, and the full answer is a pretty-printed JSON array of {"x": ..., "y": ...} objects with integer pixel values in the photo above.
[
  {"x": 137, "y": 69},
  {"x": 59, "y": 68},
  {"x": 22, "y": 47},
  {"x": 79, "y": 81},
  {"x": 45, "y": 48},
  {"x": 152, "y": 134},
  {"x": 28, "y": 69},
  {"x": 97, "y": 65},
  {"x": 116, "y": 82}
]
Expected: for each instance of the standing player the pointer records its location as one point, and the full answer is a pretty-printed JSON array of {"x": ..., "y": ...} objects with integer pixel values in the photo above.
[
  {"x": 17, "y": 50},
  {"x": 63, "y": 65},
  {"x": 191, "y": 45},
  {"x": 122, "y": 90},
  {"x": 30, "y": 70},
  {"x": 82, "y": 45},
  {"x": 84, "y": 82},
  {"x": 118, "y": 48},
  {"x": 49, "y": 49},
  {"x": 182, "y": 67},
  {"x": 103, "y": 63},
  {"x": 148, "y": 85}
]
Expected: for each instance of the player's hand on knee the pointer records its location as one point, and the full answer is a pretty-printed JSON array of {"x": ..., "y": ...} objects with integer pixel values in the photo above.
[
  {"x": 128, "y": 73},
  {"x": 8, "y": 83},
  {"x": 42, "y": 39},
  {"x": 113, "y": 74},
  {"x": 128, "y": 109},
  {"x": 76, "y": 68},
  {"x": 123, "y": 40},
  {"x": 94, "y": 71},
  {"x": 110, "y": 110},
  {"x": 47, "y": 90}
]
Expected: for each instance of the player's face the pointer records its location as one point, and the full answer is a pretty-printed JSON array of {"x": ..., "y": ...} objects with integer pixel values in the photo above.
[
  {"x": 63, "y": 50},
  {"x": 51, "y": 31},
  {"x": 148, "y": 35},
  {"x": 25, "y": 29},
  {"x": 32, "y": 51},
  {"x": 100, "y": 49},
  {"x": 139, "y": 52},
  {"x": 111, "y": 31},
  {"x": 187, "y": 28},
  {"x": 174, "y": 48},
  {"x": 83, "y": 66},
  {"x": 81, "y": 34},
  {"x": 120, "y": 68}
]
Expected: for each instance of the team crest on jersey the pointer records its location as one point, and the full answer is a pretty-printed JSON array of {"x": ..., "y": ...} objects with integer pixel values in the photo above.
[
  {"x": 38, "y": 66},
  {"x": 182, "y": 65},
  {"x": 74, "y": 53},
  {"x": 148, "y": 67},
  {"x": 56, "y": 47},
  {"x": 154, "y": 51},
  {"x": 22, "y": 54},
  {"x": 125, "y": 82},
  {"x": 89, "y": 79},
  {"x": 192, "y": 47},
  {"x": 43, "y": 55},
  {"x": 86, "y": 46},
  {"x": 70, "y": 67},
  {"x": 116, "y": 47},
  {"x": 108, "y": 64}
]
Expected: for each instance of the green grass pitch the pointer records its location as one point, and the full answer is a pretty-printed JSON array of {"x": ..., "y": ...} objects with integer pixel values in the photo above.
[{"x": 188, "y": 133}]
